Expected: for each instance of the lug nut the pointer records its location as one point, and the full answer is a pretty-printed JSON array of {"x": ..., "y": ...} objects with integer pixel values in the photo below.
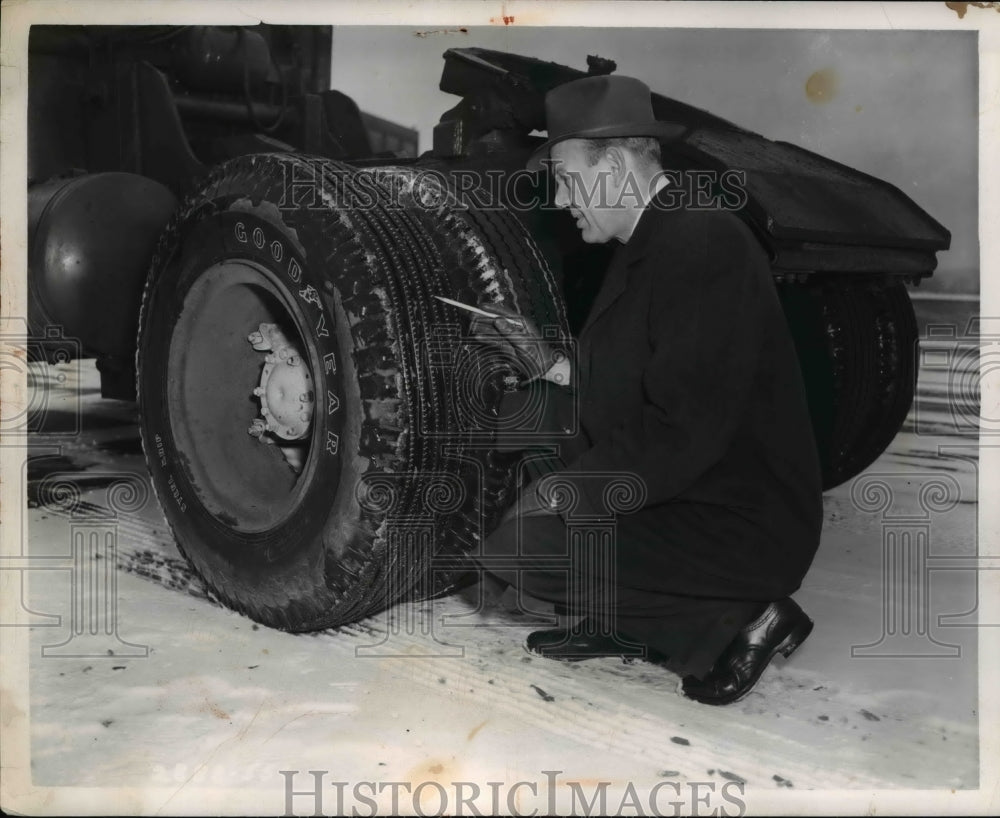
[
  {"x": 292, "y": 360},
  {"x": 259, "y": 391}
]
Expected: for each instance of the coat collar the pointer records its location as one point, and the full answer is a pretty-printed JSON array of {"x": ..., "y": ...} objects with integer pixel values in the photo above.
[{"x": 626, "y": 256}]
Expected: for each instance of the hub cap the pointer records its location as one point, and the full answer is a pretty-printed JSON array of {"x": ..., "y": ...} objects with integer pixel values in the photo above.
[{"x": 285, "y": 390}]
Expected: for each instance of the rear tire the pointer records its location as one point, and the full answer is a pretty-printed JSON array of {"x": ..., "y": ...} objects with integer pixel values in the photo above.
[{"x": 857, "y": 347}]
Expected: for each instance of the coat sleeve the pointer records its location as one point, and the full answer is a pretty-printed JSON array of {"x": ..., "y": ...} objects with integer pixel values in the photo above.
[{"x": 705, "y": 333}]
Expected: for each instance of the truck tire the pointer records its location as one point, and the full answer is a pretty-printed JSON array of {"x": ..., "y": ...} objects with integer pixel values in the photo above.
[
  {"x": 290, "y": 415},
  {"x": 857, "y": 347},
  {"x": 489, "y": 257}
]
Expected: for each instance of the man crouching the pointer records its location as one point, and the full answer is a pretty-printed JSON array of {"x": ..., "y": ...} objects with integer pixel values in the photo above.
[{"x": 686, "y": 379}]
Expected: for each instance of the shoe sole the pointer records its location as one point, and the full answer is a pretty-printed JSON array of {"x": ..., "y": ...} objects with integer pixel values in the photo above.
[
  {"x": 794, "y": 639},
  {"x": 786, "y": 647},
  {"x": 573, "y": 657}
]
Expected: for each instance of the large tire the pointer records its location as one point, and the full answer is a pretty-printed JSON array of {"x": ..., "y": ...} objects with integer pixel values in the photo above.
[
  {"x": 489, "y": 257},
  {"x": 857, "y": 347},
  {"x": 346, "y": 520}
]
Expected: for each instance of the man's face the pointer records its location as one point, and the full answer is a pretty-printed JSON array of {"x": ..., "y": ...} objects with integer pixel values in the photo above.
[{"x": 587, "y": 191}]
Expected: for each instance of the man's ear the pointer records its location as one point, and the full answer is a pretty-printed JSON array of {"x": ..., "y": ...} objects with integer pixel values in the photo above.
[{"x": 617, "y": 164}]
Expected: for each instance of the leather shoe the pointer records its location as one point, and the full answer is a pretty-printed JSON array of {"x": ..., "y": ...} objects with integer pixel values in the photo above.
[
  {"x": 781, "y": 628},
  {"x": 583, "y": 641}
]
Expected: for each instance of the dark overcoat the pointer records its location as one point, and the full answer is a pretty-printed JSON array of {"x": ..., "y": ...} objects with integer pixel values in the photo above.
[{"x": 687, "y": 378}]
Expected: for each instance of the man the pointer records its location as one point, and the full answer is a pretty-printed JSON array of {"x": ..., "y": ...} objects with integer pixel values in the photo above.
[{"x": 687, "y": 383}]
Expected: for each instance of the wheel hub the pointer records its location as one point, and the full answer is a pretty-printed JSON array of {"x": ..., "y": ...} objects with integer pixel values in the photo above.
[{"x": 285, "y": 390}]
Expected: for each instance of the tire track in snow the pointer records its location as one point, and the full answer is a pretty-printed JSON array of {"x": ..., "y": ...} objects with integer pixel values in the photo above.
[
  {"x": 587, "y": 706},
  {"x": 581, "y": 702}
]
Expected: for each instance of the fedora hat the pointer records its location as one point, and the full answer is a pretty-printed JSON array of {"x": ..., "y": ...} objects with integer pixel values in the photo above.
[{"x": 600, "y": 108}]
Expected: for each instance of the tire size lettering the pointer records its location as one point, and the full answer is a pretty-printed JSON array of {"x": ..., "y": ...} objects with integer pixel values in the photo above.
[
  {"x": 176, "y": 492},
  {"x": 160, "y": 452}
]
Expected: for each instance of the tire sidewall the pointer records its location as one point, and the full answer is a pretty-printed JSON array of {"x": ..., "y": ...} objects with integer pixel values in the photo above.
[{"x": 292, "y": 550}]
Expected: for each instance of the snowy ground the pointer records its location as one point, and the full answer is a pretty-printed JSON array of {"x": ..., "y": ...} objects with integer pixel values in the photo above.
[{"x": 194, "y": 708}]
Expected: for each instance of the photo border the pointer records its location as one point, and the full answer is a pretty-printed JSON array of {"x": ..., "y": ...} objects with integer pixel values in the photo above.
[{"x": 18, "y": 795}]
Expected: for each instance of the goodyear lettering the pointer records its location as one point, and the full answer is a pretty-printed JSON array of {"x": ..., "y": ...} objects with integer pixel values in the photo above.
[
  {"x": 332, "y": 443},
  {"x": 321, "y": 330},
  {"x": 332, "y": 402},
  {"x": 276, "y": 248},
  {"x": 330, "y": 363}
]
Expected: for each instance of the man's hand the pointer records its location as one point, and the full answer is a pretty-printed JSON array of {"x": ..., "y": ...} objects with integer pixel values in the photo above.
[{"x": 520, "y": 335}]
